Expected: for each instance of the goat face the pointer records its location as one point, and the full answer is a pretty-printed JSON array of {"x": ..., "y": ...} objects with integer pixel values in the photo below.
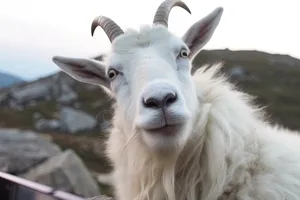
[
  {"x": 149, "y": 74},
  {"x": 150, "y": 77}
]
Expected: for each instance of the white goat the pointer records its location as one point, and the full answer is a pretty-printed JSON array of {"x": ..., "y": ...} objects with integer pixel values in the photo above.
[{"x": 176, "y": 136}]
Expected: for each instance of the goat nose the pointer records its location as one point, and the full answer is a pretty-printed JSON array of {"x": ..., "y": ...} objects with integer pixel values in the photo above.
[{"x": 160, "y": 100}]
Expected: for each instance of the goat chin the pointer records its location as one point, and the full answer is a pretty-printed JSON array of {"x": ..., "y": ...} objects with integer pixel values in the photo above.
[{"x": 234, "y": 153}]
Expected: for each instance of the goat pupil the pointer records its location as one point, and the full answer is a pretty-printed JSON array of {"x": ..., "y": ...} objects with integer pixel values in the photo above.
[{"x": 112, "y": 74}]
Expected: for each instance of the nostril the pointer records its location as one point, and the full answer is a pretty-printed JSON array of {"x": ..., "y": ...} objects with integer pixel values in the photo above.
[
  {"x": 170, "y": 98},
  {"x": 166, "y": 101},
  {"x": 151, "y": 103}
]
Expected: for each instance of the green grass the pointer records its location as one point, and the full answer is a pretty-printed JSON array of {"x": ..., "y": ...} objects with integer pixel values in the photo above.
[{"x": 24, "y": 118}]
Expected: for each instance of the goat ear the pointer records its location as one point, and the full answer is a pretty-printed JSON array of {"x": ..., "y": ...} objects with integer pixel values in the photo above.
[
  {"x": 99, "y": 57},
  {"x": 200, "y": 33},
  {"x": 83, "y": 69}
]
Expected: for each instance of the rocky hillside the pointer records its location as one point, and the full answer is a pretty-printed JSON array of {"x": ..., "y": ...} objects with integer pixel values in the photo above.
[
  {"x": 76, "y": 115},
  {"x": 7, "y": 80},
  {"x": 60, "y": 104},
  {"x": 54, "y": 103}
]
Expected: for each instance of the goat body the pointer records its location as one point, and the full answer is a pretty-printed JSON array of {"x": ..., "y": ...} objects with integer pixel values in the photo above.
[
  {"x": 178, "y": 136},
  {"x": 234, "y": 153}
]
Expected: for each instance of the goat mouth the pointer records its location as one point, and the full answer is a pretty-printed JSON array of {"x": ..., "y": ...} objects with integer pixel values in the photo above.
[{"x": 167, "y": 130}]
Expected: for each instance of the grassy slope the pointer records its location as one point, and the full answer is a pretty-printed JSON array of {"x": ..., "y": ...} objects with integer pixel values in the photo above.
[{"x": 276, "y": 86}]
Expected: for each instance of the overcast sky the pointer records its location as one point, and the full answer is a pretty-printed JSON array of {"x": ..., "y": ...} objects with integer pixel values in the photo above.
[{"x": 32, "y": 31}]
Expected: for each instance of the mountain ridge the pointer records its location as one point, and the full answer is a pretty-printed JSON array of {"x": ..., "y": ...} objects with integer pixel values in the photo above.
[{"x": 8, "y": 79}]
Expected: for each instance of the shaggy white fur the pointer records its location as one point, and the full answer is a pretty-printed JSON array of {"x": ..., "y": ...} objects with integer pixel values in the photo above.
[
  {"x": 234, "y": 153},
  {"x": 182, "y": 137}
]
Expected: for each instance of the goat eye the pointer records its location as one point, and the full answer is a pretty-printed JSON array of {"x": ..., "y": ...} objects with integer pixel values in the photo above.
[
  {"x": 183, "y": 53},
  {"x": 112, "y": 74}
]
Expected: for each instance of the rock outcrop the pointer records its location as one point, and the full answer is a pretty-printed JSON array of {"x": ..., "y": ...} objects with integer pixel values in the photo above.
[
  {"x": 29, "y": 155},
  {"x": 74, "y": 120},
  {"x": 22, "y": 150},
  {"x": 65, "y": 172},
  {"x": 58, "y": 92}
]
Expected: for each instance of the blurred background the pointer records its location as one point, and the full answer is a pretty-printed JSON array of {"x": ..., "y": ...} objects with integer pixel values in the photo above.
[{"x": 53, "y": 128}]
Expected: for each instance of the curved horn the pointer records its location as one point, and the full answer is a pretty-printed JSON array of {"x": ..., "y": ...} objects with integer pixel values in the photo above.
[
  {"x": 162, "y": 13},
  {"x": 111, "y": 29}
]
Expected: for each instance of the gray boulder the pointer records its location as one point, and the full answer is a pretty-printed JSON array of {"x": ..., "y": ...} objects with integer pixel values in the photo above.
[
  {"x": 33, "y": 91},
  {"x": 21, "y": 150},
  {"x": 74, "y": 120},
  {"x": 65, "y": 172},
  {"x": 67, "y": 95}
]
